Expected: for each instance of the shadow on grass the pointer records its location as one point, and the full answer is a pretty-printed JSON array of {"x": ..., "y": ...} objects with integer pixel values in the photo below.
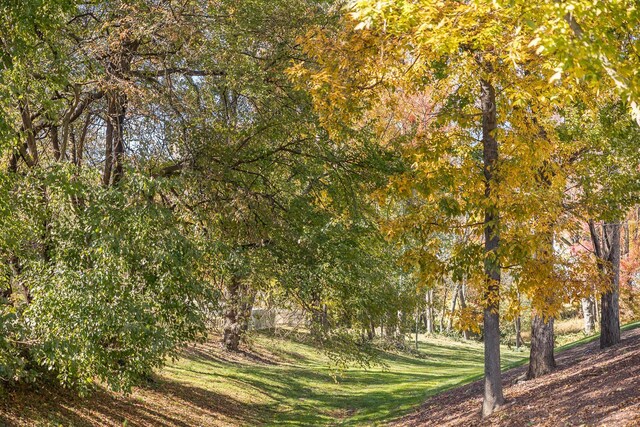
[{"x": 164, "y": 404}]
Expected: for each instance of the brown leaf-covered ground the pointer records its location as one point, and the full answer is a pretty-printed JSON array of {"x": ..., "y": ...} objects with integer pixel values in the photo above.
[{"x": 591, "y": 387}]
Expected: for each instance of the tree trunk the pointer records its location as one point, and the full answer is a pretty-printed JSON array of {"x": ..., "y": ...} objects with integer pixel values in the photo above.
[
  {"x": 371, "y": 331},
  {"x": 429, "y": 318},
  {"x": 493, "y": 397},
  {"x": 463, "y": 305},
  {"x": 456, "y": 292},
  {"x": 443, "y": 310},
  {"x": 541, "y": 360},
  {"x": 607, "y": 248},
  {"x": 247, "y": 299},
  {"x": 417, "y": 326},
  {"x": 399, "y": 325},
  {"x": 237, "y": 312},
  {"x": 518, "y": 327},
  {"x": 114, "y": 140},
  {"x": 610, "y": 314},
  {"x": 588, "y": 315}
]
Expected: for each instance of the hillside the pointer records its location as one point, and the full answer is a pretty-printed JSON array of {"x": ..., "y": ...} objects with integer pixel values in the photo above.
[
  {"x": 590, "y": 387},
  {"x": 278, "y": 381}
]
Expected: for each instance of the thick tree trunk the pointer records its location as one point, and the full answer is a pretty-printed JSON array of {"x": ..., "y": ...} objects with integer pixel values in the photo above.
[
  {"x": 493, "y": 397},
  {"x": 541, "y": 359},
  {"x": 237, "y": 312},
  {"x": 610, "y": 314},
  {"x": 588, "y": 315},
  {"x": 607, "y": 248}
]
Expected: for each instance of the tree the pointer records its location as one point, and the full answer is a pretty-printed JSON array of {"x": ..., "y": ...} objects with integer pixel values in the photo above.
[
  {"x": 607, "y": 175},
  {"x": 439, "y": 50}
]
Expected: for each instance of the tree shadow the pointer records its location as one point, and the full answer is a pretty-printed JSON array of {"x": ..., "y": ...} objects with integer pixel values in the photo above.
[{"x": 163, "y": 404}]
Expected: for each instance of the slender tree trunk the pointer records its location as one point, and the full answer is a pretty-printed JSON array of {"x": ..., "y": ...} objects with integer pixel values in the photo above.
[
  {"x": 463, "y": 305},
  {"x": 371, "y": 331},
  {"x": 493, "y": 397},
  {"x": 399, "y": 325},
  {"x": 114, "y": 140},
  {"x": 627, "y": 240},
  {"x": 610, "y": 317},
  {"x": 518, "y": 327},
  {"x": 118, "y": 68},
  {"x": 443, "y": 310},
  {"x": 429, "y": 318},
  {"x": 454, "y": 301},
  {"x": 541, "y": 359},
  {"x": 118, "y": 140},
  {"x": 417, "y": 326}
]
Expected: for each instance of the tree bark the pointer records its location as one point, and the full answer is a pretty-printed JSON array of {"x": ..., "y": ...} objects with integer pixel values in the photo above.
[
  {"x": 114, "y": 140},
  {"x": 429, "y": 317},
  {"x": 443, "y": 310},
  {"x": 371, "y": 330},
  {"x": 493, "y": 396},
  {"x": 541, "y": 359},
  {"x": 610, "y": 310},
  {"x": 588, "y": 315},
  {"x": 518, "y": 327},
  {"x": 453, "y": 307},
  {"x": 463, "y": 305},
  {"x": 237, "y": 312}
]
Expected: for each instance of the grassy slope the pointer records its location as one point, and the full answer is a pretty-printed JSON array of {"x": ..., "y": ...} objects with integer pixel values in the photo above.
[
  {"x": 282, "y": 382},
  {"x": 300, "y": 390},
  {"x": 303, "y": 392}
]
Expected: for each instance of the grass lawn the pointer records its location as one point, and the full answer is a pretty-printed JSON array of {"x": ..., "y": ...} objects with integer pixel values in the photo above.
[
  {"x": 279, "y": 382},
  {"x": 301, "y": 390}
]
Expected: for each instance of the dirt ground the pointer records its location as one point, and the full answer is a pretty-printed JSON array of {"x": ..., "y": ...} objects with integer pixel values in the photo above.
[{"x": 590, "y": 387}]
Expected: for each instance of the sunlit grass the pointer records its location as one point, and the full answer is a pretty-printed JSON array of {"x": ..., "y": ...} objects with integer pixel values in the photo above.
[
  {"x": 303, "y": 390},
  {"x": 282, "y": 381}
]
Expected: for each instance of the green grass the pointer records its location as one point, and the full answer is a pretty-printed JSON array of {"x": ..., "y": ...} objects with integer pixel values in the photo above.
[
  {"x": 302, "y": 391},
  {"x": 283, "y": 382},
  {"x": 591, "y": 338}
]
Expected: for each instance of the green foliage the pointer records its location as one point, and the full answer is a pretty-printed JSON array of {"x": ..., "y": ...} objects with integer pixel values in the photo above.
[
  {"x": 113, "y": 283},
  {"x": 606, "y": 160}
]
